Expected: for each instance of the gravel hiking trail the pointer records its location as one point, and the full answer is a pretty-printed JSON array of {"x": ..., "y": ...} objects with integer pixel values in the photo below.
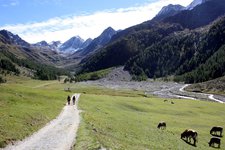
[{"x": 58, "y": 134}]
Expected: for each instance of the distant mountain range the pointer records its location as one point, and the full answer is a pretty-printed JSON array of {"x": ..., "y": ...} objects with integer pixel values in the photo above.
[
  {"x": 66, "y": 54},
  {"x": 19, "y": 57},
  {"x": 10, "y": 38},
  {"x": 74, "y": 44},
  {"x": 40, "y": 52},
  {"x": 54, "y": 45},
  {"x": 98, "y": 42},
  {"x": 77, "y": 46}
]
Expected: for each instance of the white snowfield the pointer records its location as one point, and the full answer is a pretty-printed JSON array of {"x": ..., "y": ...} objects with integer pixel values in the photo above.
[{"x": 59, "y": 134}]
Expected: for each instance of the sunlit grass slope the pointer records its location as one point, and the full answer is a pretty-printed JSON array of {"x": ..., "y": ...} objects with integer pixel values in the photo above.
[
  {"x": 116, "y": 119},
  {"x": 119, "y": 122},
  {"x": 27, "y": 105}
]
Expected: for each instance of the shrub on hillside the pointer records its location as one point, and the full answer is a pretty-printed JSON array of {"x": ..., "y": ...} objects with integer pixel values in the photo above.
[
  {"x": 92, "y": 75},
  {"x": 2, "y": 80},
  {"x": 9, "y": 66}
]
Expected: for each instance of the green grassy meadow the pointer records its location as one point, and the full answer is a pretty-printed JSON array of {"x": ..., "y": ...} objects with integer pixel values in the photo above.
[
  {"x": 27, "y": 105},
  {"x": 123, "y": 122},
  {"x": 113, "y": 119}
]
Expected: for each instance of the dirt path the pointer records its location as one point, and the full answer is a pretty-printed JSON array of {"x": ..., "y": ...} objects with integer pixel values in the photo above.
[{"x": 58, "y": 134}]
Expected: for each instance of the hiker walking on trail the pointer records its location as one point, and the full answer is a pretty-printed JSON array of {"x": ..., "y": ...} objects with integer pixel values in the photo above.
[
  {"x": 68, "y": 99},
  {"x": 74, "y": 99}
]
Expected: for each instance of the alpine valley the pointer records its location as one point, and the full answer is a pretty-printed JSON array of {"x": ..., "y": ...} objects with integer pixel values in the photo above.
[{"x": 157, "y": 85}]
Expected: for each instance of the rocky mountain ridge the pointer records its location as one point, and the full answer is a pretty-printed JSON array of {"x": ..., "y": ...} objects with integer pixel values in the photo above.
[
  {"x": 149, "y": 49},
  {"x": 98, "y": 42},
  {"x": 13, "y": 39}
]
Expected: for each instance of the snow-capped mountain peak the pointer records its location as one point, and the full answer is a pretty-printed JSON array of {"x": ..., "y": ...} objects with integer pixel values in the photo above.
[
  {"x": 99, "y": 41},
  {"x": 72, "y": 44},
  {"x": 195, "y": 3},
  {"x": 55, "y": 44}
]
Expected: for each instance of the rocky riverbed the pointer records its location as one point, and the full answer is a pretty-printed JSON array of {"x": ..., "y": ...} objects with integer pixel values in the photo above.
[{"x": 120, "y": 79}]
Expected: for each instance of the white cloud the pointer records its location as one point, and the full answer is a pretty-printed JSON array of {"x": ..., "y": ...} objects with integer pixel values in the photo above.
[
  {"x": 11, "y": 3},
  {"x": 88, "y": 25},
  {"x": 44, "y": 2}
]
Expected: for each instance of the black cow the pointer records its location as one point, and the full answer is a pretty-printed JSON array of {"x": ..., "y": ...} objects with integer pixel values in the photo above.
[
  {"x": 216, "y": 129},
  {"x": 189, "y": 134},
  {"x": 162, "y": 125},
  {"x": 214, "y": 140}
]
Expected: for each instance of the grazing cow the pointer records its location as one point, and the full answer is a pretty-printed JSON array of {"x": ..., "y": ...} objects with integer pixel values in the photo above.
[
  {"x": 216, "y": 129},
  {"x": 162, "y": 125},
  {"x": 214, "y": 140},
  {"x": 189, "y": 134}
]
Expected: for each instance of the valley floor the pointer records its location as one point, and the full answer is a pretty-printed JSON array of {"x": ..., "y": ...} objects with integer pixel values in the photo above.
[
  {"x": 161, "y": 89},
  {"x": 115, "y": 114}
]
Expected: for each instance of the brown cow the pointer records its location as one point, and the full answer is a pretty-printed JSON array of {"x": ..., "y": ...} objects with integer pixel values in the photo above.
[
  {"x": 189, "y": 134},
  {"x": 216, "y": 129},
  {"x": 214, "y": 140},
  {"x": 162, "y": 125}
]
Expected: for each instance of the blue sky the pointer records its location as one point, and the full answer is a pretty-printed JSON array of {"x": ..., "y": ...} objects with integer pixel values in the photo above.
[
  {"x": 36, "y": 20},
  {"x": 22, "y": 11}
]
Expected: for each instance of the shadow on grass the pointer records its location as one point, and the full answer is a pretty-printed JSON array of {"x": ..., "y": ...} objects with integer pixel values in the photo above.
[
  {"x": 217, "y": 135},
  {"x": 188, "y": 142},
  {"x": 215, "y": 147}
]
